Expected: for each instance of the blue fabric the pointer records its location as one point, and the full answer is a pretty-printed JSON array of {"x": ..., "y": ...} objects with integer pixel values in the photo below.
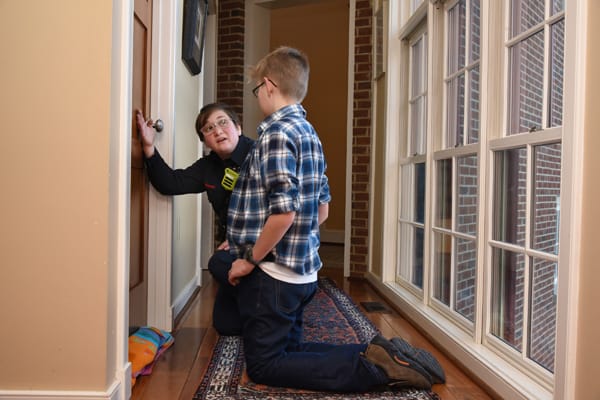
[
  {"x": 226, "y": 317},
  {"x": 284, "y": 172},
  {"x": 275, "y": 354}
]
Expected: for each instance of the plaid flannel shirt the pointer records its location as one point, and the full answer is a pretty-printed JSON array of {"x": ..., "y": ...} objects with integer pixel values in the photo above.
[{"x": 284, "y": 172}]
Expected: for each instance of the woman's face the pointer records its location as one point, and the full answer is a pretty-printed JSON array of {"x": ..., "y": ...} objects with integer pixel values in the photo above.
[{"x": 221, "y": 134}]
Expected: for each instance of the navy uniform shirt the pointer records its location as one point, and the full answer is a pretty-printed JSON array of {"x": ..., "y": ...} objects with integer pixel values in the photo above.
[{"x": 204, "y": 175}]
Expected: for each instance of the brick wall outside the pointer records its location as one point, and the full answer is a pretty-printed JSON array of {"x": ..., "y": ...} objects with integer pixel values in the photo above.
[
  {"x": 230, "y": 54},
  {"x": 361, "y": 138}
]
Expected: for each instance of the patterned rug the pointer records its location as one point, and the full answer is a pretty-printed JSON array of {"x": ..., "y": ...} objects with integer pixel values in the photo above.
[{"x": 330, "y": 317}]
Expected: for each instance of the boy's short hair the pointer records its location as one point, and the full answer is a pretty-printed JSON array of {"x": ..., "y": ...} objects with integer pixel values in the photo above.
[{"x": 288, "y": 68}]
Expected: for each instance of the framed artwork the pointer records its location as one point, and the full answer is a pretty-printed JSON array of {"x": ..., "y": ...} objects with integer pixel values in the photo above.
[{"x": 194, "y": 26}]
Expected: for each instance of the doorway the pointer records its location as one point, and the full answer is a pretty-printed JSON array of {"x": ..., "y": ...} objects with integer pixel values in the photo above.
[{"x": 138, "y": 241}]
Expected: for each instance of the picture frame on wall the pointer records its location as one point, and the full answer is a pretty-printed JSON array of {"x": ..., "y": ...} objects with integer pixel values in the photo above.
[{"x": 194, "y": 26}]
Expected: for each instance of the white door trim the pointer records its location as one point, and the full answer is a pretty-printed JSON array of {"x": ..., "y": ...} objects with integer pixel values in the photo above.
[{"x": 160, "y": 210}]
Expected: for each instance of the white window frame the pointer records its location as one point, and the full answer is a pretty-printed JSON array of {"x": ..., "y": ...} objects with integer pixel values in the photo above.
[
  {"x": 406, "y": 201},
  {"x": 442, "y": 152},
  {"x": 506, "y": 380}
]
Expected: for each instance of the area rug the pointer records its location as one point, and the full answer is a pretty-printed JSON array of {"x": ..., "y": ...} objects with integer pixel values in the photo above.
[{"x": 330, "y": 317}]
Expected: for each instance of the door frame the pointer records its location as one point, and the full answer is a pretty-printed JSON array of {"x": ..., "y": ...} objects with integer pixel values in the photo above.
[{"x": 160, "y": 209}]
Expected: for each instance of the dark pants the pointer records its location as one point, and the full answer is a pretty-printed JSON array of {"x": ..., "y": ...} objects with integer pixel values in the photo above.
[
  {"x": 272, "y": 312},
  {"x": 226, "y": 316}
]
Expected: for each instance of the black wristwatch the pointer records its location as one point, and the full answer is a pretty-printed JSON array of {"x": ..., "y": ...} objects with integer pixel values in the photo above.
[{"x": 248, "y": 256}]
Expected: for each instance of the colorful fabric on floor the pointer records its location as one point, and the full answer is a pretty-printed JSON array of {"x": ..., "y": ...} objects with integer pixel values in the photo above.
[
  {"x": 332, "y": 317},
  {"x": 145, "y": 347}
]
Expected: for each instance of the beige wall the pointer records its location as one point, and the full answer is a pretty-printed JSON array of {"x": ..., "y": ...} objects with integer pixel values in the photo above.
[
  {"x": 588, "y": 352},
  {"x": 54, "y": 110},
  {"x": 186, "y": 147},
  {"x": 325, "y": 41}
]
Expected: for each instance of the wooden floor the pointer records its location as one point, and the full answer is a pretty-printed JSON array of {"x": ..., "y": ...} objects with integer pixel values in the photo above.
[{"x": 178, "y": 372}]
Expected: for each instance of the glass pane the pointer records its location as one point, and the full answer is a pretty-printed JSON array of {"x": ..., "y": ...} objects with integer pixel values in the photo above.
[
  {"x": 418, "y": 99},
  {"x": 526, "y": 14},
  {"x": 508, "y": 291},
  {"x": 443, "y": 204},
  {"x": 466, "y": 208},
  {"x": 546, "y": 197},
  {"x": 466, "y": 263},
  {"x": 418, "y": 122},
  {"x": 441, "y": 272},
  {"x": 420, "y": 193},
  {"x": 404, "y": 253},
  {"x": 510, "y": 196},
  {"x": 417, "y": 275},
  {"x": 456, "y": 111},
  {"x": 416, "y": 73},
  {"x": 456, "y": 37},
  {"x": 475, "y": 31},
  {"x": 405, "y": 205},
  {"x": 557, "y": 52},
  {"x": 543, "y": 313},
  {"x": 473, "y": 133},
  {"x": 558, "y": 6},
  {"x": 526, "y": 84},
  {"x": 423, "y": 130}
]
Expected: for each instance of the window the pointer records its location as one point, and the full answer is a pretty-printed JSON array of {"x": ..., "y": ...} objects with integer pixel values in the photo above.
[
  {"x": 412, "y": 204},
  {"x": 462, "y": 73},
  {"x": 418, "y": 95},
  {"x": 526, "y": 185},
  {"x": 455, "y": 223},
  {"x": 525, "y": 250},
  {"x": 536, "y": 50},
  {"x": 480, "y": 171}
]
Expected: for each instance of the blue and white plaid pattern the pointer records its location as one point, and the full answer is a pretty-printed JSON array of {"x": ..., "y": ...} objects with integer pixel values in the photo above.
[{"x": 283, "y": 172}]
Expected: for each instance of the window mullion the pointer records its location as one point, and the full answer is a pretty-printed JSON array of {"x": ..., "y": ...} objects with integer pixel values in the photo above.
[
  {"x": 453, "y": 240},
  {"x": 467, "y": 74},
  {"x": 528, "y": 265},
  {"x": 546, "y": 78}
]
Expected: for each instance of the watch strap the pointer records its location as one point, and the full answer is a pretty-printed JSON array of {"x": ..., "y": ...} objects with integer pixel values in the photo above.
[{"x": 249, "y": 257}]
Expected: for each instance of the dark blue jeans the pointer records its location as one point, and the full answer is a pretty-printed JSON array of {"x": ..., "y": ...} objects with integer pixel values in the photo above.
[
  {"x": 226, "y": 316},
  {"x": 272, "y": 312}
]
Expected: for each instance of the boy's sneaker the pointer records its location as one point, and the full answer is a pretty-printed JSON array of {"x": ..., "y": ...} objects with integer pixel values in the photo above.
[
  {"x": 422, "y": 357},
  {"x": 401, "y": 370}
]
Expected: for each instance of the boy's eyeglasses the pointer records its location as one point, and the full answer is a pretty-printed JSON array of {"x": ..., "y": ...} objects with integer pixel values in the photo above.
[
  {"x": 255, "y": 90},
  {"x": 211, "y": 129}
]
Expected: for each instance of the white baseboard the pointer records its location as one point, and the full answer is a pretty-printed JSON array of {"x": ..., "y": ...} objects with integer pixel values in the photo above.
[
  {"x": 120, "y": 389},
  {"x": 183, "y": 297},
  {"x": 115, "y": 392}
]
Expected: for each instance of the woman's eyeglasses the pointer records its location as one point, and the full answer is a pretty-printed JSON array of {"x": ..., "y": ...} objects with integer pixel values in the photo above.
[{"x": 211, "y": 129}]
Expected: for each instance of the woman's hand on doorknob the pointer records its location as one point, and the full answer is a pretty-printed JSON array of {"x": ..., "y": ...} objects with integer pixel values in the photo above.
[{"x": 146, "y": 130}]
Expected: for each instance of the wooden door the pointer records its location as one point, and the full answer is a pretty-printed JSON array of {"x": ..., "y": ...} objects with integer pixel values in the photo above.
[{"x": 138, "y": 241}]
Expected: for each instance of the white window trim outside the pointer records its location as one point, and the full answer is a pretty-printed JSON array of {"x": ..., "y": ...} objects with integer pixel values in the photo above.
[{"x": 504, "y": 379}]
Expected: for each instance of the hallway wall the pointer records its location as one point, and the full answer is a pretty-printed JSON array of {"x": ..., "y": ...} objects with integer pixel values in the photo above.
[
  {"x": 56, "y": 283},
  {"x": 325, "y": 42}
]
